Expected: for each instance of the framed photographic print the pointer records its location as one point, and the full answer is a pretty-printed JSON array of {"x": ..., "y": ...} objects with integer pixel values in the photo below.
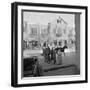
[{"x": 49, "y": 44}]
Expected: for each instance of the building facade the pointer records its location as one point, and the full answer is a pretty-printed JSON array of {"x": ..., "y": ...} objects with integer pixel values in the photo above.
[{"x": 56, "y": 33}]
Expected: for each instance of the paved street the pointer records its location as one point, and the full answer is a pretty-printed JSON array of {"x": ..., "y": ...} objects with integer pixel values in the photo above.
[{"x": 67, "y": 60}]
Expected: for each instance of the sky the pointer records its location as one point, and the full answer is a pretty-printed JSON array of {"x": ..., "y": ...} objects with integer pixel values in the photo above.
[{"x": 44, "y": 18}]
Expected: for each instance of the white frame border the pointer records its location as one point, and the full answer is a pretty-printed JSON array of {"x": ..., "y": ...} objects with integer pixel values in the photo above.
[{"x": 47, "y": 79}]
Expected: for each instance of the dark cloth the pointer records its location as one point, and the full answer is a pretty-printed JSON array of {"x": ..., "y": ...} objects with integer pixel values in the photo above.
[
  {"x": 47, "y": 58},
  {"x": 43, "y": 51},
  {"x": 47, "y": 54},
  {"x": 38, "y": 71},
  {"x": 47, "y": 51},
  {"x": 53, "y": 55}
]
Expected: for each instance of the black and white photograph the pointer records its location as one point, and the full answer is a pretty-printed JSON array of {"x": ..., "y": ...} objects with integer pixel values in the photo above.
[{"x": 49, "y": 44}]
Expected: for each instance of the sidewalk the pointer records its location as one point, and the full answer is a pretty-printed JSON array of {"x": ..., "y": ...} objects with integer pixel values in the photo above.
[{"x": 68, "y": 66}]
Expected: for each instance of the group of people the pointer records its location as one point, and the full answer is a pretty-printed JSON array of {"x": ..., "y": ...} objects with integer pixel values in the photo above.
[{"x": 53, "y": 55}]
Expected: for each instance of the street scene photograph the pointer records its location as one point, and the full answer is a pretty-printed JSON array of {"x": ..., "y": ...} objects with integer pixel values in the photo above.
[{"x": 50, "y": 44}]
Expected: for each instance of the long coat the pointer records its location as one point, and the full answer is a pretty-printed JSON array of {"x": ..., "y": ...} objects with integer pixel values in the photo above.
[
  {"x": 38, "y": 71},
  {"x": 53, "y": 55},
  {"x": 47, "y": 54},
  {"x": 59, "y": 58},
  {"x": 47, "y": 51}
]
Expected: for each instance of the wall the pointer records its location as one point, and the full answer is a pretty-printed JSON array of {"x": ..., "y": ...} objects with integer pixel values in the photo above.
[
  {"x": 77, "y": 23},
  {"x": 5, "y": 46}
]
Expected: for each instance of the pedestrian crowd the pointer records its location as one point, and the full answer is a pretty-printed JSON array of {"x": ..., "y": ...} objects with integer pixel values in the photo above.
[{"x": 53, "y": 54}]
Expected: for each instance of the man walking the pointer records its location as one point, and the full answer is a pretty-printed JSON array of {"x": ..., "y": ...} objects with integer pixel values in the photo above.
[
  {"x": 53, "y": 55},
  {"x": 47, "y": 54}
]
